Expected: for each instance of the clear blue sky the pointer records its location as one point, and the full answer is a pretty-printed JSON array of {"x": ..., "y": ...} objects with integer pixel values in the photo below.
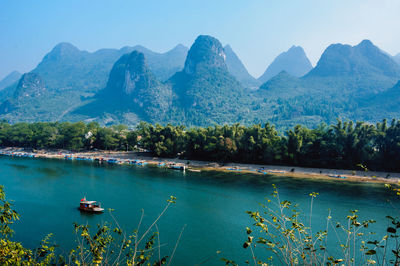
[{"x": 257, "y": 30}]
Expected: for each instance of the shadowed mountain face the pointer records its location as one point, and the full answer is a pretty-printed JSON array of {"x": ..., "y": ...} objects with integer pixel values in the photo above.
[
  {"x": 10, "y": 79},
  {"x": 388, "y": 100},
  {"x": 131, "y": 88},
  {"x": 238, "y": 70},
  {"x": 294, "y": 62}
]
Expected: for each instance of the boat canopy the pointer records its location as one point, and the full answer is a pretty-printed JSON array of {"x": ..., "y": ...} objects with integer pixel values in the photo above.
[{"x": 88, "y": 202}]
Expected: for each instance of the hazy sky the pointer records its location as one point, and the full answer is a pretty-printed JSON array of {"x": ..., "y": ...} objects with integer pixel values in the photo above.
[{"x": 257, "y": 30}]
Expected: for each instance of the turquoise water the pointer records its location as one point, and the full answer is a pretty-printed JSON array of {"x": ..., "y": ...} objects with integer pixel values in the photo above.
[{"x": 212, "y": 205}]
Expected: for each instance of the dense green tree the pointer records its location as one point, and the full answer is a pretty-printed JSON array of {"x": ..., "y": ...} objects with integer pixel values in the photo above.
[{"x": 345, "y": 145}]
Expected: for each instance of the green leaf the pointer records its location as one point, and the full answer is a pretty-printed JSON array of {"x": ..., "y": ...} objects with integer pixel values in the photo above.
[
  {"x": 391, "y": 230},
  {"x": 370, "y": 252}
]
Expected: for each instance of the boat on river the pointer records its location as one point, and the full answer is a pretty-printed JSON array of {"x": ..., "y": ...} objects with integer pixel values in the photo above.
[{"x": 90, "y": 206}]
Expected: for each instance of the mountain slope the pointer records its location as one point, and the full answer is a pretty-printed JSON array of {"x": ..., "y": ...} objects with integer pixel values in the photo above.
[
  {"x": 396, "y": 58},
  {"x": 30, "y": 86},
  {"x": 294, "y": 62},
  {"x": 73, "y": 76},
  {"x": 167, "y": 64},
  {"x": 206, "y": 92},
  {"x": 131, "y": 88},
  {"x": 361, "y": 60},
  {"x": 10, "y": 79},
  {"x": 67, "y": 67},
  {"x": 238, "y": 70},
  {"x": 347, "y": 82},
  {"x": 282, "y": 85},
  {"x": 355, "y": 71}
]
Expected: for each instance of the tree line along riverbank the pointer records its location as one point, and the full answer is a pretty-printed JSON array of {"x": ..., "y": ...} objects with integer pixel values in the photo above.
[{"x": 344, "y": 145}]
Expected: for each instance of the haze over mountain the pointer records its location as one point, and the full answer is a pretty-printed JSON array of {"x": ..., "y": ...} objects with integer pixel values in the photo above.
[
  {"x": 73, "y": 76},
  {"x": 10, "y": 79},
  {"x": 342, "y": 82},
  {"x": 282, "y": 85},
  {"x": 349, "y": 82},
  {"x": 363, "y": 59},
  {"x": 67, "y": 67},
  {"x": 163, "y": 65},
  {"x": 204, "y": 92},
  {"x": 132, "y": 92},
  {"x": 363, "y": 68},
  {"x": 396, "y": 58},
  {"x": 238, "y": 70},
  {"x": 26, "y": 99},
  {"x": 294, "y": 61}
]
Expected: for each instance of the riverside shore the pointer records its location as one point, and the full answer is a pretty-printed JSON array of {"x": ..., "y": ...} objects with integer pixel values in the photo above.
[{"x": 198, "y": 166}]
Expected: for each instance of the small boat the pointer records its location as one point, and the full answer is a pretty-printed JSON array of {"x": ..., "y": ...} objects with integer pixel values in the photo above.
[
  {"x": 177, "y": 167},
  {"x": 90, "y": 206},
  {"x": 338, "y": 176}
]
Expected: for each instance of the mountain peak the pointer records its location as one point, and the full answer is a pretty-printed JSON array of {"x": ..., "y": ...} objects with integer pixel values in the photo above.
[
  {"x": 10, "y": 79},
  {"x": 132, "y": 87},
  {"x": 294, "y": 61},
  {"x": 363, "y": 59},
  {"x": 228, "y": 48},
  {"x": 365, "y": 43},
  {"x": 62, "y": 51},
  {"x": 206, "y": 51},
  {"x": 127, "y": 72},
  {"x": 295, "y": 48},
  {"x": 65, "y": 47},
  {"x": 180, "y": 46}
]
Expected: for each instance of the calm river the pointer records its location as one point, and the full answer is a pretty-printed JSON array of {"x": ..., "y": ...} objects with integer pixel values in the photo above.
[{"x": 212, "y": 205}]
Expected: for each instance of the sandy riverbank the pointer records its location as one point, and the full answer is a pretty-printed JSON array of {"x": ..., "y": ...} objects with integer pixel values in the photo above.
[{"x": 193, "y": 165}]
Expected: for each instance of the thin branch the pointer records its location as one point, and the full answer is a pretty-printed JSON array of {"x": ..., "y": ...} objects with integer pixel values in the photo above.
[{"x": 176, "y": 245}]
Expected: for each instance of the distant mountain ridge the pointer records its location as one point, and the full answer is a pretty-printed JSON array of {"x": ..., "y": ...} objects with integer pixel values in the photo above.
[
  {"x": 208, "y": 86},
  {"x": 10, "y": 79},
  {"x": 294, "y": 61},
  {"x": 396, "y": 58},
  {"x": 89, "y": 71},
  {"x": 192, "y": 96},
  {"x": 238, "y": 70},
  {"x": 363, "y": 69},
  {"x": 362, "y": 59},
  {"x": 131, "y": 88}
]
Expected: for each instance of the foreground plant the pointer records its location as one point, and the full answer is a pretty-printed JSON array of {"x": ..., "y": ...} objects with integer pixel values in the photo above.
[
  {"x": 288, "y": 236},
  {"x": 109, "y": 245}
]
